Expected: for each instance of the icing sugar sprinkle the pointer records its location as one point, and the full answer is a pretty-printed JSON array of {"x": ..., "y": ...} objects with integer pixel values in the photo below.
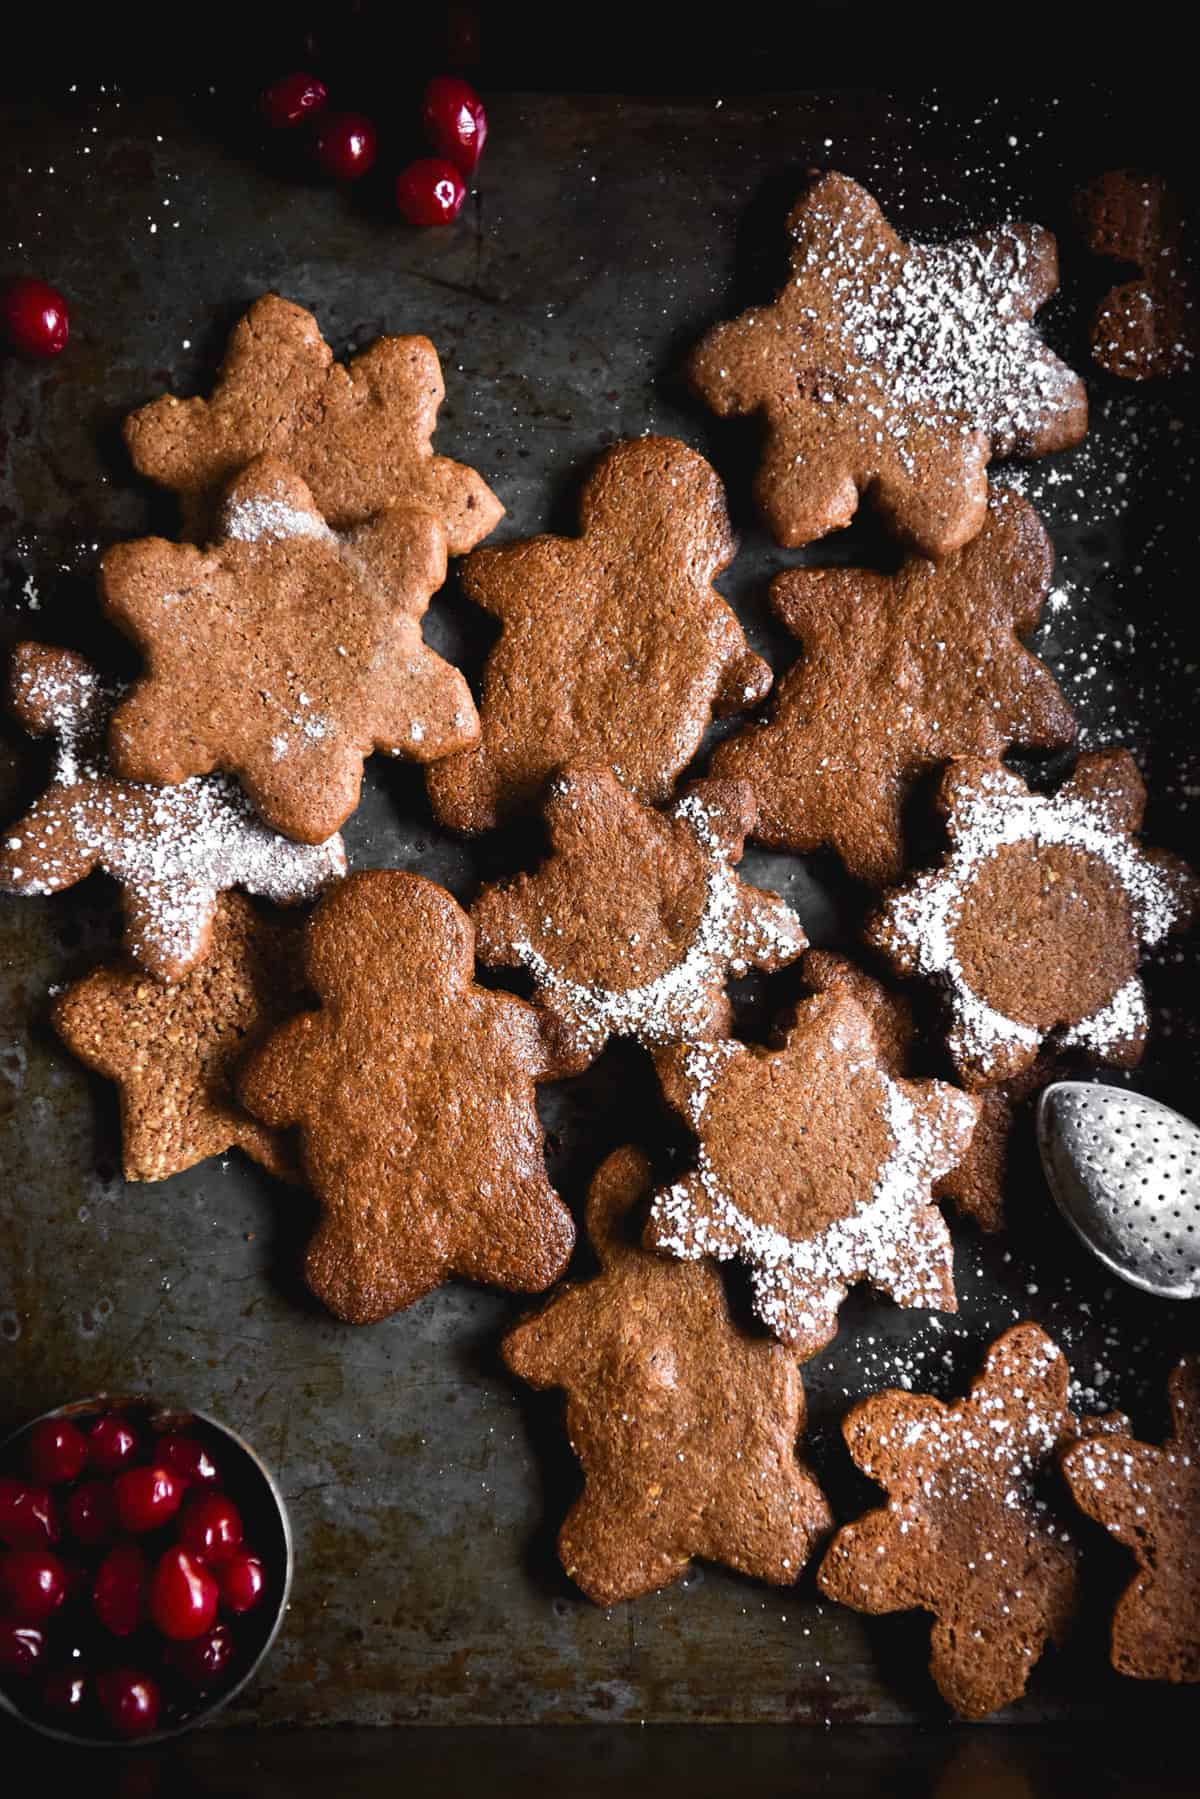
[{"x": 250, "y": 520}]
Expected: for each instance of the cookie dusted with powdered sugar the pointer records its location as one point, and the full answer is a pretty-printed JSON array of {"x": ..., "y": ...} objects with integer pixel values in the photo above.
[{"x": 1148, "y": 327}]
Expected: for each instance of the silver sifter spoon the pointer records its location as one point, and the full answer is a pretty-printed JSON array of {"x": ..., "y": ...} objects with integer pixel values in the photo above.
[{"x": 1125, "y": 1173}]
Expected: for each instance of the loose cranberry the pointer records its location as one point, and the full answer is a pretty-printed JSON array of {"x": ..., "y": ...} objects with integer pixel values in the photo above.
[
  {"x": 183, "y": 1596},
  {"x": 58, "y": 1452},
  {"x": 147, "y": 1498},
  {"x": 430, "y": 192},
  {"x": 33, "y": 1583},
  {"x": 345, "y": 145},
  {"x": 66, "y": 1694},
  {"x": 91, "y": 1513},
  {"x": 112, "y": 1443},
  {"x": 187, "y": 1459},
  {"x": 129, "y": 1700},
  {"x": 204, "y": 1662},
  {"x": 118, "y": 1592},
  {"x": 291, "y": 100},
  {"x": 242, "y": 1582},
  {"x": 22, "y": 1647},
  {"x": 455, "y": 122},
  {"x": 35, "y": 317},
  {"x": 211, "y": 1529},
  {"x": 27, "y": 1515}
]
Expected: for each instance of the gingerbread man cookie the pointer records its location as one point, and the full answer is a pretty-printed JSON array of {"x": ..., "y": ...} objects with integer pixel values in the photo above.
[
  {"x": 1149, "y": 326},
  {"x": 636, "y": 920},
  {"x": 284, "y": 654},
  {"x": 359, "y": 436},
  {"x": 1033, "y": 922},
  {"x": 686, "y": 1426},
  {"x": 893, "y": 370},
  {"x": 899, "y": 672},
  {"x": 615, "y": 648},
  {"x": 414, "y": 1092},
  {"x": 813, "y": 1166},
  {"x": 172, "y": 850}
]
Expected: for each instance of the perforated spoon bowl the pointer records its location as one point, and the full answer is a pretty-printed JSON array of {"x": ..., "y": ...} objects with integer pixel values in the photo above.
[{"x": 1125, "y": 1173}]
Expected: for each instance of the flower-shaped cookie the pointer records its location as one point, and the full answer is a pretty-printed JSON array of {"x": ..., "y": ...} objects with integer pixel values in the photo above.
[
  {"x": 1149, "y": 1499},
  {"x": 172, "y": 850},
  {"x": 414, "y": 1092},
  {"x": 893, "y": 370},
  {"x": 686, "y": 1426},
  {"x": 359, "y": 436},
  {"x": 634, "y": 923},
  {"x": 899, "y": 672},
  {"x": 1033, "y": 922},
  {"x": 1149, "y": 326},
  {"x": 284, "y": 654},
  {"x": 615, "y": 648},
  {"x": 813, "y": 1167}
]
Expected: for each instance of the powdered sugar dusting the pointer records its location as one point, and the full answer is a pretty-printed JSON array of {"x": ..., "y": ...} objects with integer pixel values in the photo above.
[{"x": 250, "y": 520}]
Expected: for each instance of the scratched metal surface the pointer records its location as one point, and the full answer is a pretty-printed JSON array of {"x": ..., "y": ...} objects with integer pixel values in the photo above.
[{"x": 425, "y": 1490}]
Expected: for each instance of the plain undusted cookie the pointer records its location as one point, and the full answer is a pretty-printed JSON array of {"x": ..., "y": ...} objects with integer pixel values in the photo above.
[
  {"x": 414, "y": 1092},
  {"x": 635, "y": 921},
  {"x": 172, "y": 850},
  {"x": 615, "y": 648},
  {"x": 173, "y": 1050},
  {"x": 894, "y": 371},
  {"x": 1033, "y": 922},
  {"x": 686, "y": 1426},
  {"x": 1149, "y": 1499},
  {"x": 284, "y": 654},
  {"x": 899, "y": 672},
  {"x": 813, "y": 1167},
  {"x": 1149, "y": 326},
  {"x": 967, "y": 1533},
  {"x": 359, "y": 436}
]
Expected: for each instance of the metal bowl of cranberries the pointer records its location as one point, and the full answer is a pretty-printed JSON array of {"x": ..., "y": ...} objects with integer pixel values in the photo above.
[{"x": 145, "y": 1565}]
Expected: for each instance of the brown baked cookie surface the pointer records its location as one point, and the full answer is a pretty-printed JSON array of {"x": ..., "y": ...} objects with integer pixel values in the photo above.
[
  {"x": 635, "y": 921},
  {"x": 1033, "y": 922},
  {"x": 894, "y": 371},
  {"x": 414, "y": 1092},
  {"x": 174, "y": 1050},
  {"x": 172, "y": 850},
  {"x": 814, "y": 1165},
  {"x": 898, "y": 673},
  {"x": 284, "y": 654},
  {"x": 615, "y": 648},
  {"x": 358, "y": 436},
  {"x": 686, "y": 1426},
  {"x": 967, "y": 1533},
  {"x": 1149, "y": 326},
  {"x": 1149, "y": 1499}
]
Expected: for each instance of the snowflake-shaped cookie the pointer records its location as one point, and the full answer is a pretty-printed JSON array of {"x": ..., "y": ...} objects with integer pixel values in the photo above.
[{"x": 1148, "y": 327}]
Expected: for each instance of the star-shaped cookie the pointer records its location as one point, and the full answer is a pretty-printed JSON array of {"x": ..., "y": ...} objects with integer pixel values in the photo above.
[
  {"x": 1149, "y": 1499},
  {"x": 894, "y": 371},
  {"x": 814, "y": 1165},
  {"x": 173, "y": 1050},
  {"x": 899, "y": 672},
  {"x": 307, "y": 645},
  {"x": 635, "y": 921},
  {"x": 1033, "y": 922},
  {"x": 615, "y": 648},
  {"x": 414, "y": 1092},
  {"x": 358, "y": 436},
  {"x": 1149, "y": 326},
  {"x": 967, "y": 1533},
  {"x": 172, "y": 850}
]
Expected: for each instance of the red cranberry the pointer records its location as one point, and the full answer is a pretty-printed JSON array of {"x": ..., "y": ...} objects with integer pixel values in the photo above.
[
  {"x": 430, "y": 192},
  {"x": 22, "y": 1647},
  {"x": 183, "y": 1597},
  {"x": 211, "y": 1529},
  {"x": 455, "y": 122},
  {"x": 27, "y": 1515},
  {"x": 58, "y": 1452},
  {"x": 204, "y": 1662},
  {"x": 35, "y": 317},
  {"x": 91, "y": 1513},
  {"x": 147, "y": 1498},
  {"x": 187, "y": 1459},
  {"x": 33, "y": 1583},
  {"x": 111, "y": 1443},
  {"x": 345, "y": 145},
  {"x": 291, "y": 100},
  {"x": 242, "y": 1582},
  {"x": 66, "y": 1694},
  {"x": 130, "y": 1701},
  {"x": 119, "y": 1589}
]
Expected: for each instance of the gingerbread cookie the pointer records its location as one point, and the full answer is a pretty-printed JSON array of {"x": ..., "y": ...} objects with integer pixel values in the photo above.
[
  {"x": 284, "y": 654},
  {"x": 1149, "y": 326},
  {"x": 634, "y": 923},
  {"x": 172, "y": 850},
  {"x": 686, "y": 1426},
  {"x": 414, "y": 1092},
  {"x": 813, "y": 1167},
  {"x": 967, "y": 1534},
  {"x": 1033, "y": 922},
  {"x": 173, "y": 1050},
  {"x": 358, "y": 436},
  {"x": 1149, "y": 1499},
  {"x": 615, "y": 648},
  {"x": 898, "y": 673},
  {"x": 893, "y": 370}
]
